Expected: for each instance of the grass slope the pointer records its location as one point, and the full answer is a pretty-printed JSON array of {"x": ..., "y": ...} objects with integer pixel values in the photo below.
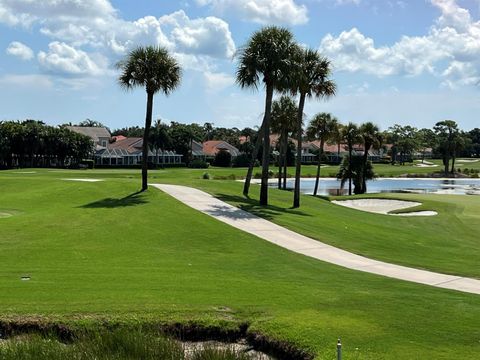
[{"x": 98, "y": 250}]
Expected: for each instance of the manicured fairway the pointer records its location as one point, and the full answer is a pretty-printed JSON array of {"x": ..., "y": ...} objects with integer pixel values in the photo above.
[{"x": 98, "y": 250}]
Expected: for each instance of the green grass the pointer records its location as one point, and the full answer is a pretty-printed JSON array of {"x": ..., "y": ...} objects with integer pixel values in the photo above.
[{"x": 97, "y": 251}]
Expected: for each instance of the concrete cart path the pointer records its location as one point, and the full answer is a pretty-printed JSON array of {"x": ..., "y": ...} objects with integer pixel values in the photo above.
[{"x": 295, "y": 242}]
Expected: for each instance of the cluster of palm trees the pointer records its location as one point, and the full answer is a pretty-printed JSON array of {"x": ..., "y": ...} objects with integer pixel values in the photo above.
[{"x": 273, "y": 58}]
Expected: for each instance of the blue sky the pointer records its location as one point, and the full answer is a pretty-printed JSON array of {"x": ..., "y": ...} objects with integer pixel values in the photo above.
[{"x": 395, "y": 61}]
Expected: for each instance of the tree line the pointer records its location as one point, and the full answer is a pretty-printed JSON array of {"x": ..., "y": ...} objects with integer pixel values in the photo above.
[{"x": 32, "y": 143}]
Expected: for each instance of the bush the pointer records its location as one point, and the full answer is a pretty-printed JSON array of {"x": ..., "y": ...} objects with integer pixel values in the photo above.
[
  {"x": 223, "y": 159},
  {"x": 206, "y": 176},
  {"x": 242, "y": 160},
  {"x": 198, "y": 164}
]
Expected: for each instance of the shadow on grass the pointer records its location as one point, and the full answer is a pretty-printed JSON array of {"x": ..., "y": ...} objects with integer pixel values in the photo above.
[
  {"x": 251, "y": 206},
  {"x": 129, "y": 200}
]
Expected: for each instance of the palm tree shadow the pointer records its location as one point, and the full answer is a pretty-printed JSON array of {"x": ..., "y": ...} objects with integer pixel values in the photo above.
[
  {"x": 269, "y": 212},
  {"x": 109, "y": 203}
]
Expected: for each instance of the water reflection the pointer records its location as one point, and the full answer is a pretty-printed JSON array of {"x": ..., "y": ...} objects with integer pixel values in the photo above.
[{"x": 332, "y": 187}]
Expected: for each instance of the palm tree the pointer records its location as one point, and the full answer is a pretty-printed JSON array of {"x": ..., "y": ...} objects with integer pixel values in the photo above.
[
  {"x": 372, "y": 138},
  {"x": 337, "y": 139},
  {"x": 311, "y": 79},
  {"x": 267, "y": 58},
  {"x": 322, "y": 127},
  {"x": 156, "y": 70},
  {"x": 284, "y": 113},
  {"x": 351, "y": 137}
]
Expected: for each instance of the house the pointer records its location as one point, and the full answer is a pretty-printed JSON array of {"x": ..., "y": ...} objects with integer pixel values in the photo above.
[
  {"x": 128, "y": 151},
  {"x": 100, "y": 135},
  {"x": 123, "y": 151},
  {"x": 209, "y": 149}
]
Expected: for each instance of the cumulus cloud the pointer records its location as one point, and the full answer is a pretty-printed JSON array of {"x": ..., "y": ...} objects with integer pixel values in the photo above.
[
  {"x": 20, "y": 50},
  {"x": 218, "y": 81},
  {"x": 261, "y": 11},
  {"x": 450, "y": 50},
  {"x": 63, "y": 59}
]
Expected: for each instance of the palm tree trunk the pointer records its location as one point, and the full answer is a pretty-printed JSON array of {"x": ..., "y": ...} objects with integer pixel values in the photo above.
[
  {"x": 280, "y": 161},
  {"x": 148, "y": 123},
  {"x": 266, "y": 146},
  {"x": 453, "y": 163},
  {"x": 248, "y": 178},
  {"x": 298, "y": 164},
  {"x": 285, "y": 150},
  {"x": 349, "y": 169},
  {"x": 317, "y": 179},
  {"x": 365, "y": 160}
]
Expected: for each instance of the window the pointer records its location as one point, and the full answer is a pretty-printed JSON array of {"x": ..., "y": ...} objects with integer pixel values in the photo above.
[{"x": 104, "y": 143}]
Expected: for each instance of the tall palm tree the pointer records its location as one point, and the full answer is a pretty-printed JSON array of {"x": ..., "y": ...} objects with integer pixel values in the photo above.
[
  {"x": 284, "y": 113},
  {"x": 351, "y": 137},
  {"x": 154, "y": 69},
  {"x": 160, "y": 139},
  {"x": 372, "y": 138},
  {"x": 311, "y": 79},
  {"x": 268, "y": 58},
  {"x": 337, "y": 139},
  {"x": 322, "y": 127}
]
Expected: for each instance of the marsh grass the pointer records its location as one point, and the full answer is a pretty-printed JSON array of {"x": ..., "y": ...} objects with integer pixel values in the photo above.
[{"x": 119, "y": 344}]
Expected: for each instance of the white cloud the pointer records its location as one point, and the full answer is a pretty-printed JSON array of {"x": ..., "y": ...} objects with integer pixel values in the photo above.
[
  {"x": 346, "y": 2},
  {"x": 20, "y": 50},
  {"x": 27, "y": 81},
  {"x": 450, "y": 50},
  {"x": 63, "y": 59},
  {"x": 218, "y": 81},
  {"x": 261, "y": 11}
]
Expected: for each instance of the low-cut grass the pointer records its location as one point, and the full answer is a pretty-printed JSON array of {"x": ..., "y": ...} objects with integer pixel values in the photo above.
[{"x": 100, "y": 251}]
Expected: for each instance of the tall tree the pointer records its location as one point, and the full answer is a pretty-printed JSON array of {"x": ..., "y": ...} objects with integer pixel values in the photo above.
[
  {"x": 351, "y": 137},
  {"x": 425, "y": 139},
  {"x": 447, "y": 133},
  {"x": 372, "y": 138},
  {"x": 322, "y": 127},
  {"x": 160, "y": 138},
  {"x": 311, "y": 79},
  {"x": 154, "y": 69},
  {"x": 284, "y": 113},
  {"x": 267, "y": 57}
]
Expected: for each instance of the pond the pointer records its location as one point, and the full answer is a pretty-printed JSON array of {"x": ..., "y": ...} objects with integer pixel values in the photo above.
[{"x": 331, "y": 186}]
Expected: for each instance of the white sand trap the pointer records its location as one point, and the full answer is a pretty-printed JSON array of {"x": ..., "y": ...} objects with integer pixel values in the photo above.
[
  {"x": 383, "y": 206},
  {"x": 468, "y": 160},
  {"x": 424, "y": 162},
  {"x": 425, "y": 165},
  {"x": 26, "y": 172},
  {"x": 4, "y": 215},
  {"x": 84, "y": 180}
]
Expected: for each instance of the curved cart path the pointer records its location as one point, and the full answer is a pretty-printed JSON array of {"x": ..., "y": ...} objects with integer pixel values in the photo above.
[{"x": 295, "y": 242}]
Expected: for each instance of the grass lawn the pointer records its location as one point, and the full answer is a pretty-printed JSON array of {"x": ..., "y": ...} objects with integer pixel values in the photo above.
[{"x": 100, "y": 251}]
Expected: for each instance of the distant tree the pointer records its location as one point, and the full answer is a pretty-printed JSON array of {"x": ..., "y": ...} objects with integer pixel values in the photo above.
[
  {"x": 354, "y": 169},
  {"x": 351, "y": 137},
  {"x": 208, "y": 128},
  {"x": 323, "y": 127},
  {"x": 474, "y": 136},
  {"x": 266, "y": 58},
  {"x": 284, "y": 119},
  {"x": 132, "y": 131},
  {"x": 90, "y": 123},
  {"x": 372, "y": 138},
  {"x": 404, "y": 141},
  {"x": 154, "y": 69},
  {"x": 448, "y": 135},
  {"x": 160, "y": 138},
  {"x": 426, "y": 139}
]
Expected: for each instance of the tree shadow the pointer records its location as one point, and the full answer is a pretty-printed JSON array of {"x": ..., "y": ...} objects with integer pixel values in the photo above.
[
  {"x": 109, "y": 203},
  {"x": 251, "y": 206}
]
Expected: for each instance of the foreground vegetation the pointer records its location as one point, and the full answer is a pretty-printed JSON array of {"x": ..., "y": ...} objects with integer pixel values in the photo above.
[
  {"x": 99, "y": 252},
  {"x": 117, "y": 344}
]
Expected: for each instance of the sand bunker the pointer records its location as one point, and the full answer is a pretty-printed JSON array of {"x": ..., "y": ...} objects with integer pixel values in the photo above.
[
  {"x": 85, "y": 180},
  {"x": 425, "y": 165},
  {"x": 467, "y": 160},
  {"x": 384, "y": 206},
  {"x": 4, "y": 214}
]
